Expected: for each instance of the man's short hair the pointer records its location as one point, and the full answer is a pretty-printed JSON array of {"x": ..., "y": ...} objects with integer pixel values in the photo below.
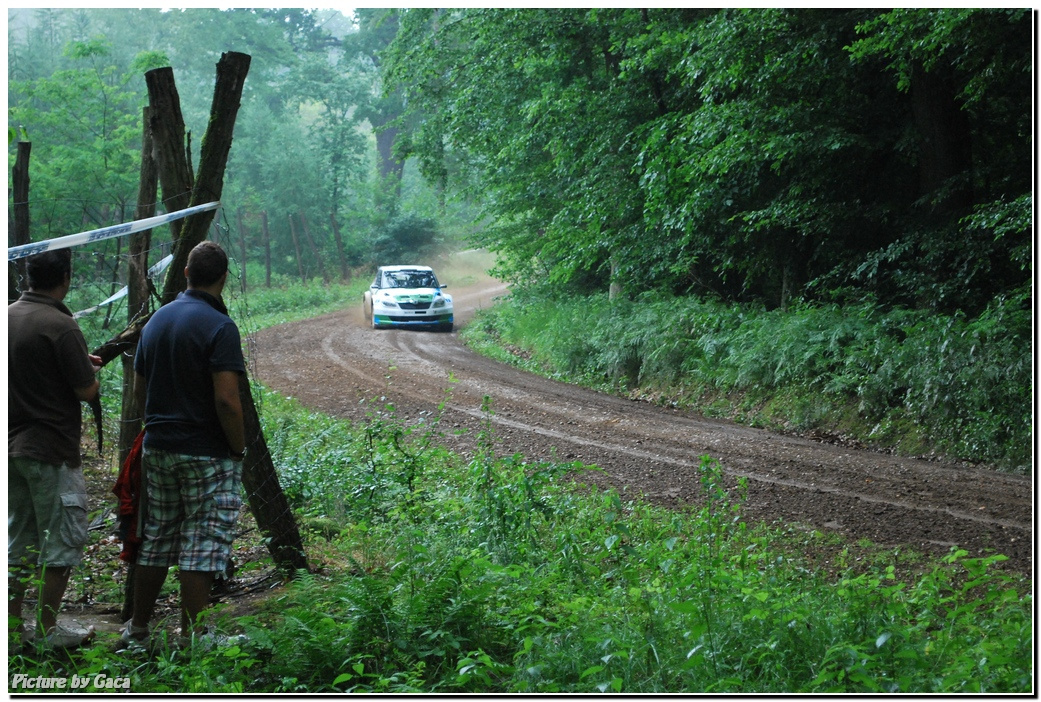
[
  {"x": 207, "y": 262},
  {"x": 47, "y": 270}
]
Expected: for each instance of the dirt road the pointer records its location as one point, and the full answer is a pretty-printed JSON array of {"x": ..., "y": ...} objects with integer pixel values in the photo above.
[{"x": 332, "y": 362}]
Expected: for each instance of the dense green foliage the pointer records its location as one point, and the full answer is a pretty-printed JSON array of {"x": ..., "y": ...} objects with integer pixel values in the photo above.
[
  {"x": 304, "y": 157},
  {"x": 916, "y": 380},
  {"x": 755, "y": 155},
  {"x": 766, "y": 154},
  {"x": 491, "y": 574}
]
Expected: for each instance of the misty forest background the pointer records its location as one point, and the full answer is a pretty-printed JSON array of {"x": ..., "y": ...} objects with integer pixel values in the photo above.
[
  {"x": 833, "y": 206},
  {"x": 811, "y": 220}
]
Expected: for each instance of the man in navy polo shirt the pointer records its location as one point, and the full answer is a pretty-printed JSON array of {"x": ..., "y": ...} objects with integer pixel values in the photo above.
[{"x": 188, "y": 364}]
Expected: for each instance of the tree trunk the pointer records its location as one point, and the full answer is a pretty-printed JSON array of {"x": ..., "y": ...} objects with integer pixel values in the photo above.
[
  {"x": 296, "y": 246},
  {"x": 168, "y": 143},
  {"x": 267, "y": 249},
  {"x": 242, "y": 248},
  {"x": 345, "y": 274},
  {"x": 314, "y": 249},
  {"x": 614, "y": 289},
  {"x": 137, "y": 285},
  {"x": 213, "y": 159},
  {"x": 20, "y": 230},
  {"x": 114, "y": 285},
  {"x": 267, "y": 502},
  {"x": 944, "y": 138},
  {"x": 263, "y": 489},
  {"x": 131, "y": 415},
  {"x": 390, "y": 168}
]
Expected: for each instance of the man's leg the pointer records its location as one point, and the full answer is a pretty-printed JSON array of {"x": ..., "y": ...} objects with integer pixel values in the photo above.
[
  {"x": 195, "y": 596},
  {"x": 22, "y": 537},
  {"x": 211, "y": 508},
  {"x": 17, "y": 584},
  {"x": 160, "y": 539},
  {"x": 55, "y": 580},
  {"x": 148, "y": 582}
]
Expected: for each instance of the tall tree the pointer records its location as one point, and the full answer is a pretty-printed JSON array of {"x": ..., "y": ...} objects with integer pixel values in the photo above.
[
  {"x": 381, "y": 106},
  {"x": 536, "y": 102},
  {"x": 334, "y": 89},
  {"x": 744, "y": 153},
  {"x": 969, "y": 76},
  {"x": 84, "y": 122}
]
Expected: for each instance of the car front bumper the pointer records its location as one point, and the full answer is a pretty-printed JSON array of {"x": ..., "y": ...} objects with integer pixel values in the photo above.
[{"x": 414, "y": 319}]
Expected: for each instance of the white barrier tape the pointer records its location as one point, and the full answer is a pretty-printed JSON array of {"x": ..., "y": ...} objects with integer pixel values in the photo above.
[
  {"x": 64, "y": 242},
  {"x": 153, "y": 273}
]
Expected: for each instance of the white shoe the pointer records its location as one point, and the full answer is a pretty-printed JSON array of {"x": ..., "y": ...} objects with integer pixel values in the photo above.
[
  {"x": 131, "y": 636},
  {"x": 66, "y": 637}
]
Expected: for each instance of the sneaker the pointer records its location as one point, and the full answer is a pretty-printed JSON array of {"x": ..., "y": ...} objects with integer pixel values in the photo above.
[
  {"x": 209, "y": 640},
  {"x": 67, "y": 638},
  {"x": 133, "y": 637}
]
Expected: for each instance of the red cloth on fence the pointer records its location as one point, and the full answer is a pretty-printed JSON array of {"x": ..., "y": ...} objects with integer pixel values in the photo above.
[{"x": 128, "y": 492}]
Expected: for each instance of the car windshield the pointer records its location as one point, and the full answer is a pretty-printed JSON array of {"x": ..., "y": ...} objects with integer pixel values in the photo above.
[{"x": 408, "y": 279}]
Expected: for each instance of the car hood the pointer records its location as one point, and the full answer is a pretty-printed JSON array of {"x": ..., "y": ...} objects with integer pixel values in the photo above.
[{"x": 413, "y": 294}]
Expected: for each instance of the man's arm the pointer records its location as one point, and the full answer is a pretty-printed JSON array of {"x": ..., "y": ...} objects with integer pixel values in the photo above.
[
  {"x": 229, "y": 409},
  {"x": 140, "y": 388},
  {"x": 88, "y": 392}
]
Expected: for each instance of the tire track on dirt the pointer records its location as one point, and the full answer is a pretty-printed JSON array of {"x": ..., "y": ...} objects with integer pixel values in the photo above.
[
  {"x": 415, "y": 352},
  {"x": 335, "y": 363}
]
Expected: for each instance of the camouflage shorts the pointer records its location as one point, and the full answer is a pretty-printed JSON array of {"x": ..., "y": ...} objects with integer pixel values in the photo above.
[{"x": 193, "y": 503}]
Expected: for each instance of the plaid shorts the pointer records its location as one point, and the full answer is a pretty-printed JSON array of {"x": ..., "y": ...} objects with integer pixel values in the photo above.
[
  {"x": 46, "y": 513},
  {"x": 193, "y": 503}
]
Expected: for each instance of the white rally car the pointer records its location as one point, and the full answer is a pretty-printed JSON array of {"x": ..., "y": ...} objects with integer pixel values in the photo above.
[{"x": 407, "y": 296}]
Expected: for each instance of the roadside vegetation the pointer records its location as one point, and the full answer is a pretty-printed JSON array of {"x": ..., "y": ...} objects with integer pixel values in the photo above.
[
  {"x": 915, "y": 381},
  {"x": 439, "y": 573}
]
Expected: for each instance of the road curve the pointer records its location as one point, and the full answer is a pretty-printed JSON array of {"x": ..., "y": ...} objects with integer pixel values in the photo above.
[{"x": 332, "y": 363}]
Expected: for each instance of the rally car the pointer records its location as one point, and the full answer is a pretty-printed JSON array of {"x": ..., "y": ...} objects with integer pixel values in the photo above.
[{"x": 407, "y": 296}]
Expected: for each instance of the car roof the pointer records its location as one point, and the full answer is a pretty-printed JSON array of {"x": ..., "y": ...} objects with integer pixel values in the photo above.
[{"x": 406, "y": 268}]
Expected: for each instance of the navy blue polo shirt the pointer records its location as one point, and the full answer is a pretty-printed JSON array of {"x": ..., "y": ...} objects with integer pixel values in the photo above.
[{"x": 183, "y": 344}]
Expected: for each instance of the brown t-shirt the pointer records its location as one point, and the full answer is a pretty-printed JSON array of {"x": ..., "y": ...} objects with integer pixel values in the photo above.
[{"x": 46, "y": 359}]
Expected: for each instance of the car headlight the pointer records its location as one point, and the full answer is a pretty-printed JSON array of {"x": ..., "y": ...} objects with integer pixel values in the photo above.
[
  {"x": 439, "y": 302},
  {"x": 386, "y": 302}
]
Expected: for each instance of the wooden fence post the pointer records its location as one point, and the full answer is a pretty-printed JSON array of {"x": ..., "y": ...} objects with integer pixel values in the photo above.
[
  {"x": 20, "y": 226},
  {"x": 279, "y": 527}
]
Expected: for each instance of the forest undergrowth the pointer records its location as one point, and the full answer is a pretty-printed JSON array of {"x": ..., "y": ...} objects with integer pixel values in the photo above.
[
  {"x": 912, "y": 381},
  {"x": 437, "y": 573}
]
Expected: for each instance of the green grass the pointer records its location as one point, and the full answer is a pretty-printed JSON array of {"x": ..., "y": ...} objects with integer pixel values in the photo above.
[
  {"x": 493, "y": 574},
  {"x": 913, "y": 380},
  {"x": 265, "y": 307}
]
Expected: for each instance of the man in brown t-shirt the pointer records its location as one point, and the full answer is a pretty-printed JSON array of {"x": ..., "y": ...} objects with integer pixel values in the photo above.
[{"x": 49, "y": 374}]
